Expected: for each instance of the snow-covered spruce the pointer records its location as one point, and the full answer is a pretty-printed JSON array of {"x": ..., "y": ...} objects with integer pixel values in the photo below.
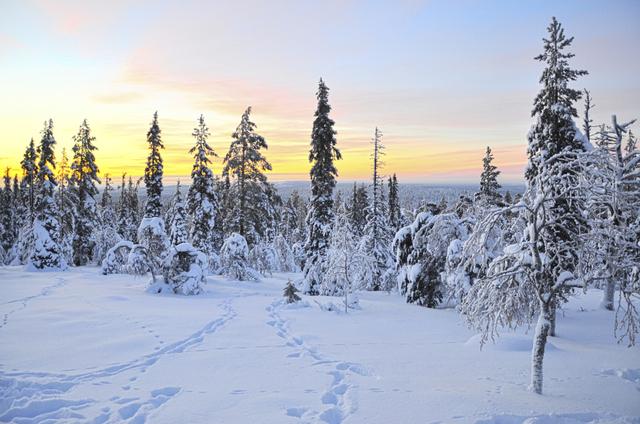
[
  {"x": 106, "y": 235},
  {"x": 377, "y": 235},
  {"x": 421, "y": 251},
  {"x": 323, "y": 180},
  {"x": 176, "y": 219},
  {"x": 116, "y": 258},
  {"x": 184, "y": 271},
  {"x": 234, "y": 259},
  {"x": 84, "y": 177},
  {"x": 202, "y": 200},
  {"x": 251, "y": 199},
  {"x": 290, "y": 293},
  {"x": 152, "y": 236},
  {"x": 554, "y": 131},
  {"x": 140, "y": 262},
  {"x": 264, "y": 258},
  {"x": 46, "y": 254}
]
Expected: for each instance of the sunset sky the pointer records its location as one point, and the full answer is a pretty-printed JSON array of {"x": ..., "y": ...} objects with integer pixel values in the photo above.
[{"x": 442, "y": 79}]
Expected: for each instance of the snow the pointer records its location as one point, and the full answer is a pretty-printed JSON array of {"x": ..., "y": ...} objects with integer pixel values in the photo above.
[{"x": 78, "y": 346}]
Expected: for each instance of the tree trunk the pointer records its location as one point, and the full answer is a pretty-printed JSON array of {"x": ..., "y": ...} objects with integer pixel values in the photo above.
[
  {"x": 552, "y": 319},
  {"x": 607, "y": 297},
  {"x": 539, "y": 343}
]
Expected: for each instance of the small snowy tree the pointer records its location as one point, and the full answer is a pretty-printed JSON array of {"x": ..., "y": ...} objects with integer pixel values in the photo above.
[
  {"x": 489, "y": 179},
  {"x": 347, "y": 266},
  {"x": 176, "y": 218},
  {"x": 264, "y": 258},
  {"x": 291, "y": 293},
  {"x": 140, "y": 262},
  {"x": 66, "y": 200},
  {"x": 234, "y": 259},
  {"x": 184, "y": 270},
  {"x": 116, "y": 258},
  {"x": 128, "y": 210},
  {"x": 106, "y": 235}
]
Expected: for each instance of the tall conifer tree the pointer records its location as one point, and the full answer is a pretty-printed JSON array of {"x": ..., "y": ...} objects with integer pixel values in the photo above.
[{"x": 323, "y": 181}]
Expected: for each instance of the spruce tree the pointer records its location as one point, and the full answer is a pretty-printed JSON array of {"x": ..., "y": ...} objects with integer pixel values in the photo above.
[
  {"x": 128, "y": 210},
  {"x": 323, "y": 181},
  {"x": 394, "y": 203},
  {"x": 29, "y": 176},
  {"x": 8, "y": 230},
  {"x": 67, "y": 203},
  {"x": 84, "y": 177},
  {"x": 176, "y": 219},
  {"x": 251, "y": 210},
  {"x": 377, "y": 236},
  {"x": 290, "y": 293},
  {"x": 107, "y": 232},
  {"x": 553, "y": 132},
  {"x": 489, "y": 179},
  {"x": 202, "y": 202},
  {"x": 151, "y": 232},
  {"x": 46, "y": 253},
  {"x": 358, "y": 209},
  {"x": 153, "y": 171}
]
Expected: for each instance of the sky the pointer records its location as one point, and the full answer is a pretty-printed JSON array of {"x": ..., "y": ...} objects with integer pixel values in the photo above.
[{"x": 441, "y": 79}]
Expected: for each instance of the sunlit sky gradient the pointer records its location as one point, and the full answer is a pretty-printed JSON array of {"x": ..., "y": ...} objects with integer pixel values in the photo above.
[{"x": 442, "y": 79}]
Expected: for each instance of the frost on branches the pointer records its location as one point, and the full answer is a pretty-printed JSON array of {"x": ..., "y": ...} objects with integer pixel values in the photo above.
[{"x": 234, "y": 259}]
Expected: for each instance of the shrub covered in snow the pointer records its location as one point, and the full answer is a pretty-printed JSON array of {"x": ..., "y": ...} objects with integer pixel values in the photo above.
[
  {"x": 115, "y": 261},
  {"x": 264, "y": 258},
  {"x": 139, "y": 262},
  {"x": 234, "y": 259},
  {"x": 285, "y": 255},
  {"x": 152, "y": 235},
  {"x": 185, "y": 269},
  {"x": 291, "y": 293}
]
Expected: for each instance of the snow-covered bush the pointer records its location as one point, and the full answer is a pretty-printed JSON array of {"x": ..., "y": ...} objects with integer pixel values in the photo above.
[
  {"x": 285, "y": 255},
  {"x": 234, "y": 259},
  {"x": 290, "y": 293},
  {"x": 152, "y": 235},
  {"x": 298, "y": 254},
  {"x": 185, "y": 269},
  {"x": 264, "y": 258},
  {"x": 46, "y": 254},
  {"x": 139, "y": 262},
  {"x": 115, "y": 261},
  {"x": 105, "y": 238}
]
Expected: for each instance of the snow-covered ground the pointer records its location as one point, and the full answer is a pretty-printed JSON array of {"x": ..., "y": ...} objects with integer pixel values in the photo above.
[{"x": 81, "y": 347}]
